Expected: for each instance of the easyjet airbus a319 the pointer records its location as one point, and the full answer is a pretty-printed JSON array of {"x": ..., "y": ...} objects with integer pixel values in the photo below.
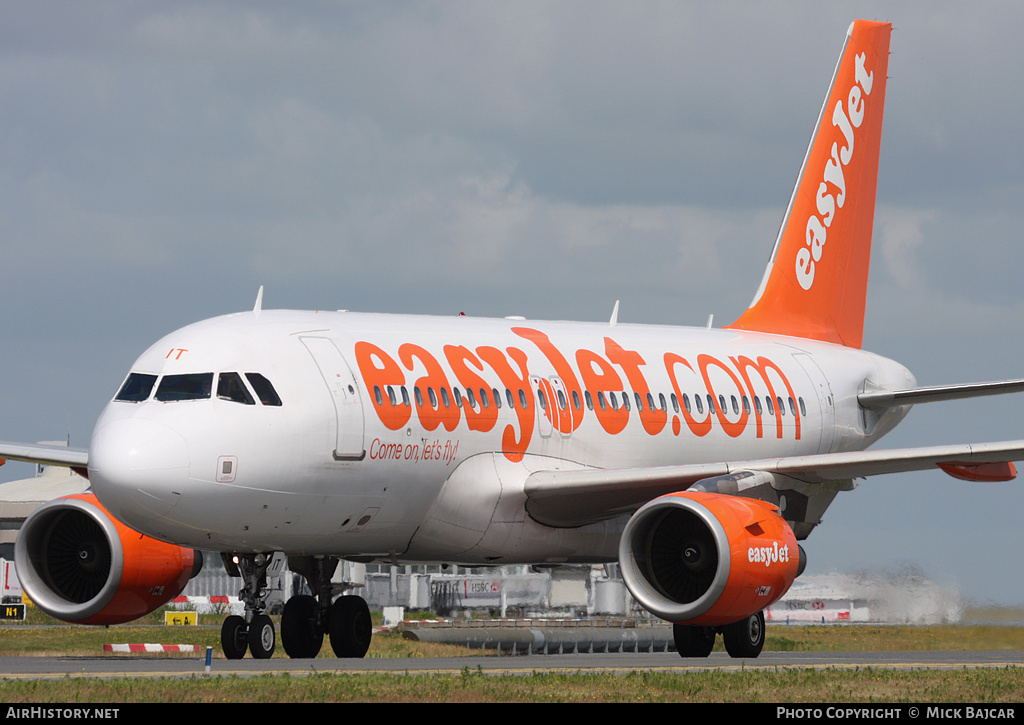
[{"x": 697, "y": 459}]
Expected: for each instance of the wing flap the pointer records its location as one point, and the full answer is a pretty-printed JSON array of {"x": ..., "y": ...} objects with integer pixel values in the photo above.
[{"x": 577, "y": 498}]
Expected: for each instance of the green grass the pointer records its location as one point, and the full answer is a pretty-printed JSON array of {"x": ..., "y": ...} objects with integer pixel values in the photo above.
[{"x": 790, "y": 685}]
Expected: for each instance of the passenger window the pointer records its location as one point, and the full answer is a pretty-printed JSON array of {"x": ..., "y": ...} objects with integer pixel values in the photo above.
[
  {"x": 391, "y": 396},
  {"x": 664, "y": 407},
  {"x": 543, "y": 400},
  {"x": 192, "y": 386},
  {"x": 444, "y": 398},
  {"x": 803, "y": 410},
  {"x": 700, "y": 404},
  {"x": 625, "y": 400},
  {"x": 419, "y": 397},
  {"x": 735, "y": 405},
  {"x": 561, "y": 400},
  {"x": 590, "y": 400},
  {"x": 522, "y": 399},
  {"x": 230, "y": 387},
  {"x": 264, "y": 390},
  {"x": 782, "y": 406},
  {"x": 576, "y": 400},
  {"x": 510, "y": 399},
  {"x": 136, "y": 387},
  {"x": 771, "y": 408},
  {"x": 792, "y": 406},
  {"x": 458, "y": 396},
  {"x": 711, "y": 404},
  {"x": 433, "y": 398},
  {"x": 405, "y": 397},
  {"x": 377, "y": 395},
  {"x": 757, "y": 404},
  {"x": 639, "y": 402},
  {"x": 615, "y": 401},
  {"x": 675, "y": 402}
]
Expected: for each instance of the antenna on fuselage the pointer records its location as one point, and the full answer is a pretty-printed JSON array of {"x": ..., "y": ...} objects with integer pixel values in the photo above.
[
  {"x": 615, "y": 315},
  {"x": 259, "y": 302}
]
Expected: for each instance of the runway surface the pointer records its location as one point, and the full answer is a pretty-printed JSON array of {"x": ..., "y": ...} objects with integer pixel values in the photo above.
[{"x": 116, "y": 666}]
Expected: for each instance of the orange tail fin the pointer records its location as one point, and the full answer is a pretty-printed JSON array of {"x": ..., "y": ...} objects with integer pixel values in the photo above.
[{"x": 817, "y": 277}]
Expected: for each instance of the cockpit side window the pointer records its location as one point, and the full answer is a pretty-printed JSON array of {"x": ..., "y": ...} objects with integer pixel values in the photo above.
[
  {"x": 191, "y": 386},
  {"x": 136, "y": 388},
  {"x": 264, "y": 390},
  {"x": 230, "y": 387}
]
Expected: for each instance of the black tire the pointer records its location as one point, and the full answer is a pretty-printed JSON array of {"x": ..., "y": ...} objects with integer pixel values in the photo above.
[
  {"x": 262, "y": 638},
  {"x": 746, "y": 637},
  {"x": 693, "y": 641},
  {"x": 350, "y": 627},
  {"x": 234, "y": 637},
  {"x": 300, "y": 635}
]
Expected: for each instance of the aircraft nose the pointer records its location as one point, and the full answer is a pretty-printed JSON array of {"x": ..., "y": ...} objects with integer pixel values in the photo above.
[{"x": 137, "y": 467}]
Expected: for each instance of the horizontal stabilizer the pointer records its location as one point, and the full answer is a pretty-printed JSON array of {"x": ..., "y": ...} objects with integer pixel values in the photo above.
[{"x": 889, "y": 398}]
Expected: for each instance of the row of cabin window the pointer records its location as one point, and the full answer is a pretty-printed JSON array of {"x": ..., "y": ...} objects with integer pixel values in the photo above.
[{"x": 612, "y": 399}]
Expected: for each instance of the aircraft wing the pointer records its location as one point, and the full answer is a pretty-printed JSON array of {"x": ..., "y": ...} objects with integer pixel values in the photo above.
[
  {"x": 47, "y": 455},
  {"x": 576, "y": 498}
]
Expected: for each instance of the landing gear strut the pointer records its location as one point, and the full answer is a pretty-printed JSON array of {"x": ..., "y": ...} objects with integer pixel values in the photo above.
[
  {"x": 306, "y": 619},
  {"x": 254, "y": 631}
]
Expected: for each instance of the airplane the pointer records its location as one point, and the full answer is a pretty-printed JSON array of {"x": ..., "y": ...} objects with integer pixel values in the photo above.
[{"x": 698, "y": 459}]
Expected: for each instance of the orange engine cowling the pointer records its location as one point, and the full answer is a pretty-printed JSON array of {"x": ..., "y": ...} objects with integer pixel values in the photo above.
[
  {"x": 79, "y": 564},
  {"x": 707, "y": 558}
]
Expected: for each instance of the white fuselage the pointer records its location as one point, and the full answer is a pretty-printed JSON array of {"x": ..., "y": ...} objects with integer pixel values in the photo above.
[{"x": 357, "y": 460}]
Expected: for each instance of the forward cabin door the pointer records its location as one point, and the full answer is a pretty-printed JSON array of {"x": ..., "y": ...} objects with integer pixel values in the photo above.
[{"x": 344, "y": 390}]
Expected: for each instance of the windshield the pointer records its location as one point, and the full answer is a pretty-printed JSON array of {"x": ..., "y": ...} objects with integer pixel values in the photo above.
[{"x": 192, "y": 386}]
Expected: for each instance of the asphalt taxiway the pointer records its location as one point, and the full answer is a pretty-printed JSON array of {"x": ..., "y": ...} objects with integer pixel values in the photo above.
[{"x": 118, "y": 666}]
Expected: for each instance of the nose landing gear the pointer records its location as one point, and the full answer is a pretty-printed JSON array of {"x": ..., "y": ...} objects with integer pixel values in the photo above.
[
  {"x": 305, "y": 620},
  {"x": 254, "y": 631}
]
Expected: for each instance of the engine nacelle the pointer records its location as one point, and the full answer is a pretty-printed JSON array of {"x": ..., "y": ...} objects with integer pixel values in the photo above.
[
  {"x": 707, "y": 558},
  {"x": 79, "y": 564}
]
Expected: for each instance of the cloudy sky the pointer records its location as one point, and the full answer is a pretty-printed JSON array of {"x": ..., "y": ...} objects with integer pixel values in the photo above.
[{"x": 160, "y": 161}]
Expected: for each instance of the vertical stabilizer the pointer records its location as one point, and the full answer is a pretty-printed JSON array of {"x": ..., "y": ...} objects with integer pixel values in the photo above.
[{"x": 817, "y": 277}]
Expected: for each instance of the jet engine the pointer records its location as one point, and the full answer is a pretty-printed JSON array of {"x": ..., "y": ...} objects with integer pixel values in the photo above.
[
  {"x": 79, "y": 564},
  {"x": 707, "y": 558}
]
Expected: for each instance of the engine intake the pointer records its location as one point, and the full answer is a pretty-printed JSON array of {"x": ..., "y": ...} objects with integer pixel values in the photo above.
[
  {"x": 706, "y": 558},
  {"x": 79, "y": 564}
]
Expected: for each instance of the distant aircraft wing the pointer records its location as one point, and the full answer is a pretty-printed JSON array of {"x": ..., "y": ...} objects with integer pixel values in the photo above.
[
  {"x": 579, "y": 497},
  {"x": 47, "y": 455}
]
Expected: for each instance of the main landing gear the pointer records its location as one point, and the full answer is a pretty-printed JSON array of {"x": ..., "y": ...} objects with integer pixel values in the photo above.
[
  {"x": 744, "y": 638},
  {"x": 305, "y": 620}
]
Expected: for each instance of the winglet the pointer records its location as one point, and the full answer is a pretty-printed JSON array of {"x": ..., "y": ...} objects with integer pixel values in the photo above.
[{"x": 816, "y": 280}]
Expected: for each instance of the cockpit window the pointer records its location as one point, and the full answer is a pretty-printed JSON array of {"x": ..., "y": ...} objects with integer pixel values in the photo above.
[
  {"x": 192, "y": 386},
  {"x": 264, "y": 390},
  {"x": 230, "y": 387},
  {"x": 136, "y": 388}
]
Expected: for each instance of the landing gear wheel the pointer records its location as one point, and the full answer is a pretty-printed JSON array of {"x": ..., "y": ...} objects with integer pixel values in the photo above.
[
  {"x": 746, "y": 637},
  {"x": 233, "y": 637},
  {"x": 693, "y": 641},
  {"x": 300, "y": 632},
  {"x": 351, "y": 628},
  {"x": 261, "y": 637}
]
